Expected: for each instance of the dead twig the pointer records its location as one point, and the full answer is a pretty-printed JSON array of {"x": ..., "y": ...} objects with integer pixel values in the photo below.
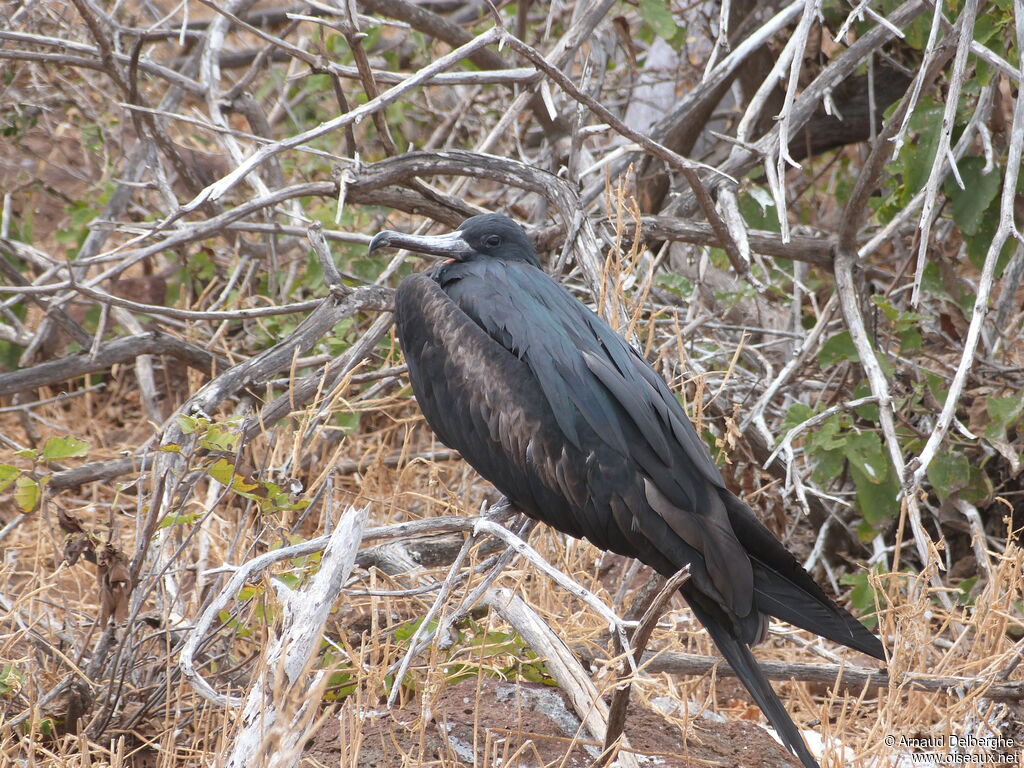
[
  {"x": 108, "y": 354},
  {"x": 641, "y": 635},
  {"x": 850, "y": 676},
  {"x": 561, "y": 662},
  {"x": 219, "y": 188},
  {"x": 285, "y": 679}
]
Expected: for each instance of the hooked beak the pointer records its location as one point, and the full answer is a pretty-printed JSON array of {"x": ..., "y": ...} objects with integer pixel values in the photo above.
[{"x": 450, "y": 245}]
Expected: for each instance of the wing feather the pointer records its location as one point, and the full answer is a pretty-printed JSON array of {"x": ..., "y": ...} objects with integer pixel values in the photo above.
[
  {"x": 645, "y": 420},
  {"x": 540, "y": 322},
  {"x": 591, "y": 378}
]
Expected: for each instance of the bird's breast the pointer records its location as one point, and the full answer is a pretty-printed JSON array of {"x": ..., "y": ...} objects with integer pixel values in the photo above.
[{"x": 480, "y": 398}]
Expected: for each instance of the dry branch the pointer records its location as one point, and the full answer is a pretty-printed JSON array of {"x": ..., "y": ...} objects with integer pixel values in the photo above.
[
  {"x": 217, "y": 189},
  {"x": 839, "y": 675},
  {"x": 278, "y": 708},
  {"x": 641, "y": 636},
  {"x": 812, "y": 250},
  {"x": 1007, "y": 227},
  {"x": 437, "y": 26},
  {"x": 803, "y": 106},
  {"x": 108, "y": 354},
  {"x": 99, "y": 471},
  {"x": 561, "y": 663}
]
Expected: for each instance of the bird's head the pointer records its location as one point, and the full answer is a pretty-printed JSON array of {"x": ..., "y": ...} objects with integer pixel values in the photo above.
[{"x": 490, "y": 236}]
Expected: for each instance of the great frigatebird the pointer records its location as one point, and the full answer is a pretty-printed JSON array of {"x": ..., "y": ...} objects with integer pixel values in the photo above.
[{"x": 567, "y": 420}]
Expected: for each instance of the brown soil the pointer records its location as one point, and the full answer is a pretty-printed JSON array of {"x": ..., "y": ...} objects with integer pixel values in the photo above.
[{"x": 495, "y": 722}]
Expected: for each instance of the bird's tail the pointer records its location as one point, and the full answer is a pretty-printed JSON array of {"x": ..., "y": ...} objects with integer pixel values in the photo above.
[
  {"x": 745, "y": 665},
  {"x": 783, "y": 589},
  {"x": 808, "y": 609}
]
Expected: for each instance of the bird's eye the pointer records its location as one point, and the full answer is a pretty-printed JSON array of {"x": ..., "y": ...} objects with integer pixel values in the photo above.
[{"x": 492, "y": 241}]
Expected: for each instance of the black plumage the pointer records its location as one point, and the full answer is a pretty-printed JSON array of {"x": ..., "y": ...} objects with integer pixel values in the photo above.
[{"x": 566, "y": 419}]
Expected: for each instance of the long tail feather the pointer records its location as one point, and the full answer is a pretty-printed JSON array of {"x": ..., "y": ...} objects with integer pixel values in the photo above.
[
  {"x": 777, "y": 596},
  {"x": 783, "y": 589},
  {"x": 745, "y": 665}
]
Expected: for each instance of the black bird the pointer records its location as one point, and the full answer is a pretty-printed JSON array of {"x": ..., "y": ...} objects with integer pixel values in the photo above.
[{"x": 567, "y": 420}]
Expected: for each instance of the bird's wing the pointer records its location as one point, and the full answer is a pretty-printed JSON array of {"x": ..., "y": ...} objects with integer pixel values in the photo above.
[
  {"x": 481, "y": 400},
  {"x": 580, "y": 361},
  {"x": 591, "y": 377}
]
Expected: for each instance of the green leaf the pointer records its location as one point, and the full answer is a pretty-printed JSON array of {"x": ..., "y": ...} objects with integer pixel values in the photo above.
[
  {"x": 26, "y": 493},
  {"x": 937, "y": 386},
  {"x": 838, "y": 348},
  {"x": 875, "y": 501},
  {"x": 910, "y": 339},
  {"x": 757, "y": 206},
  {"x": 917, "y": 32},
  {"x": 57, "y": 448},
  {"x": 865, "y": 452},
  {"x": 710, "y": 441},
  {"x": 7, "y": 475},
  {"x": 866, "y": 531},
  {"x": 918, "y": 157},
  {"x": 368, "y": 269},
  {"x": 404, "y": 633},
  {"x": 797, "y": 414},
  {"x": 454, "y": 673},
  {"x": 970, "y": 203},
  {"x": 191, "y": 424},
  {"x": 339, "y": 685},
  {"x": 988, "y": 25},
  {"x": 677, "y": 284},
  {"x": 979, "y": 489},
  {"x": 657, "y": 14},
  {"x": 172, "y": 520},
  {"x": 829, "y": 436},
  {"x": 828, "y": 466},
  {"x": 348, "y": 421},
  {"x": 218, "y": 438},
  {"x": 888, "y": 308},
  {"x": 250, "y": 591},
  {"x": 979, "y": 243},
  {"x": 536, "y": 673},
  {"x": 965, "y": 587},
  {"x": 223, "y": 471},
  {"x": 11, "y": 679},
  {"x": 1002, "y": 412},
  {"x": 1004, "y": 409},
  {"x": 931, "y": 280},
  {"x": 290, "y": 580},
  {"x": 900, "y": 319},
  {"x": 863, "y": 596},
  {"x": 949, "y": 473},
  {"x": 868, "y": 411}
]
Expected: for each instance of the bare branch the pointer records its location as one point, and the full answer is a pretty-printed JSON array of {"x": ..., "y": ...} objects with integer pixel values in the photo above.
[
  {"x": 217, "y": 189},
  {"x": 846, "y": 675},
  {"x": 1005, "y": 229},
  {"x": 108, "y": 354}
]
